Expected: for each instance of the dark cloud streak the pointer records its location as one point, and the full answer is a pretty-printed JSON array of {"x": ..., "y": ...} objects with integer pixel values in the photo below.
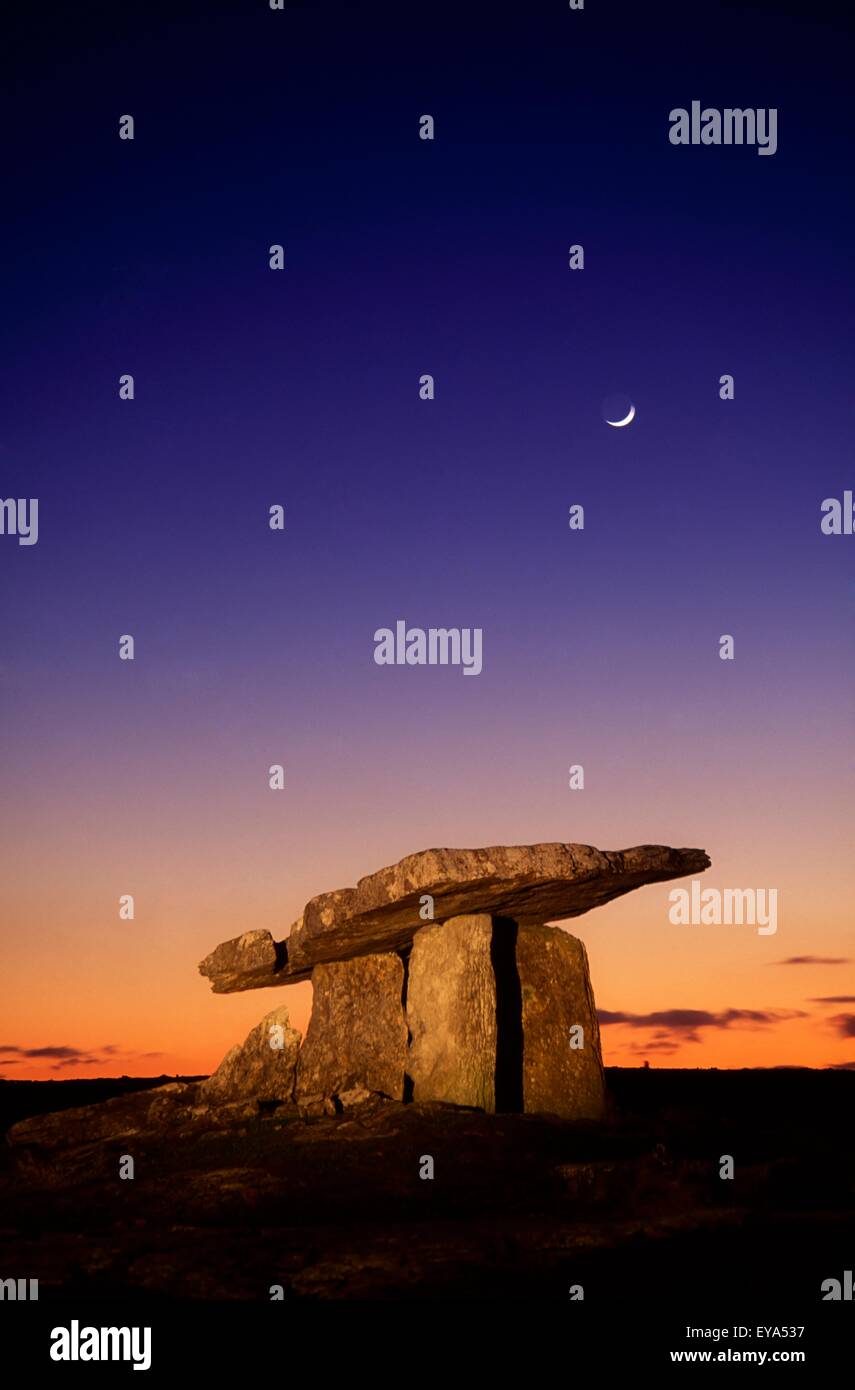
[
  {"x": 675, "y": 1026},
  {"x": 813, "y": 960},
  {"x": 62, "y": 1055}
]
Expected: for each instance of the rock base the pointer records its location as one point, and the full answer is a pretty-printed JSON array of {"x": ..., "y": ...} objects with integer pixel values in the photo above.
[{"x": 483, "y": 1013}]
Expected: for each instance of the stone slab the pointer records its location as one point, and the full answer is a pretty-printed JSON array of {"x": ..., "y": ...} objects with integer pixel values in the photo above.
[{"x": 530, "y": 883}]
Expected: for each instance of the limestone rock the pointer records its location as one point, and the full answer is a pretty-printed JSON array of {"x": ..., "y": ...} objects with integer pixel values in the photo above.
[
  {"x": 119, "y": 1118},
  {"x": 556, "y": 994},
  {"x": 312, "y": 1107},
  {"x": 250, "y": 961},
  {"x": 451, "y": 1012},
  {"x": 531, "y": 884},
  {"x": 84, "y": 1142},
  {"x": 358, "y": 1096},
  {"x": 262, "y": 1068},
  {"x": 357, "y": 1034}
]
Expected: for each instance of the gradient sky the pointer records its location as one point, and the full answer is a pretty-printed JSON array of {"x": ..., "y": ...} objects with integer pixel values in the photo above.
[{"x": 301, "y": 388}]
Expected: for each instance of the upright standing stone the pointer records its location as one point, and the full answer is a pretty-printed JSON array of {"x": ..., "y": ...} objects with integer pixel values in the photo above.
[
  {"x": 451, "y": 1012},
  {"x": 556, "y": 998},
  {"x": 357, "y": 1034}
]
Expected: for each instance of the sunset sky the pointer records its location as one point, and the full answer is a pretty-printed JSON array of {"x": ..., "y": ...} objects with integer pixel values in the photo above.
[{"x": 300, "y": 387}]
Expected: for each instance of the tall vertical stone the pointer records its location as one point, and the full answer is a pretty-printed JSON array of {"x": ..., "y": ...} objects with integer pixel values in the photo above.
[
  {"x": 357, "y": 1034},
  {"x": 451, "y": 1013},
  {"x": 557, "y": 998}
]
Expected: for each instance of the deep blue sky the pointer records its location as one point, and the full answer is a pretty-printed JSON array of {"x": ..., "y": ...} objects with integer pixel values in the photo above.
[{"x": 405, "y": 257}]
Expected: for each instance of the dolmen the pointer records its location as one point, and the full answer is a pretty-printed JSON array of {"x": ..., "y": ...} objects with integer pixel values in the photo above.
[{"x": 439, "y": 979}]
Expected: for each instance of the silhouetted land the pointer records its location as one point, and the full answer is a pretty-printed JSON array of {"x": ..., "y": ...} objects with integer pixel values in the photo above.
[
  {"x": 20, "y": 1099},
  {"x": 521, "y": 1206}
]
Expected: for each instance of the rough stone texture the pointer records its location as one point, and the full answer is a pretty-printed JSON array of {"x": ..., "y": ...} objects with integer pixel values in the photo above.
[
  {"x": 251, "y": 961},
  {"x": 256, "y": 1070},
  {"x": 556, "y": 995},
  {"x": 529, "y": 883},
  {"x": 357, "y": 1034},
  {"x": 332, "y": 1207},
  {"x": 93, "y": 1125},
  {"x": 358, "y": 1096},
  {"x": 451, "y": 1012}
]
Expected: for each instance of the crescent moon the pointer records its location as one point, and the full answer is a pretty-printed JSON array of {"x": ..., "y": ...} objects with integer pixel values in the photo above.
[{"x": 619, "y": 424}]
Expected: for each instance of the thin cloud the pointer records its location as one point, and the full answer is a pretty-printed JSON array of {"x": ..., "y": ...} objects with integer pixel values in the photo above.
[
  {"x": 673, "y": 1027},
  {"x": 72, "y": 1053},
  {"x": 813, "y": 960},
  {"x": 79, "y": 1062},
  {"x": 60, "y": 1054},
  {"x": 685, "y": 1023},
  {"x": 671, "y": 1019},
  {"x": 834, "y": 999},
  {"x": 845, "y": 1024}
]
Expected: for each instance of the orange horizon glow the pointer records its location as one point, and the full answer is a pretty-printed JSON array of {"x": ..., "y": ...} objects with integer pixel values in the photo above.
[{"x": 127, "y": 996}]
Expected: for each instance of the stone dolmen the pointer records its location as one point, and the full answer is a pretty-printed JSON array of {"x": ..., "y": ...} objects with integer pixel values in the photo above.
[{"x": 439, "y": 980}]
